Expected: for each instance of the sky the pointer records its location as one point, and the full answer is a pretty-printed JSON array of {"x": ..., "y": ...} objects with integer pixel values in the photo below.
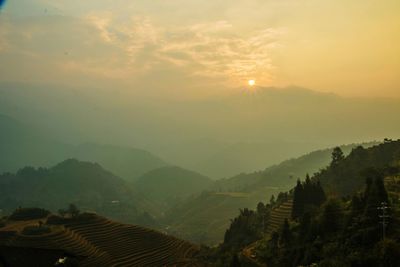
[
  {"x": 193, "y": 48},
  {"x": 172, "y": 76}
]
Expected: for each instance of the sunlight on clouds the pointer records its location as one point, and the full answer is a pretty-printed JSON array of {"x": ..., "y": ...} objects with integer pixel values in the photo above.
[
  {"x": 325, "y": 45},
  {"x": 102, "y": 23},
  {"x": 203, "y": 50}
]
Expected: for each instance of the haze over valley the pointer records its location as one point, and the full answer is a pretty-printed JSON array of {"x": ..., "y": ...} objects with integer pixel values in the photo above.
[{"x": 190, "y": 133}]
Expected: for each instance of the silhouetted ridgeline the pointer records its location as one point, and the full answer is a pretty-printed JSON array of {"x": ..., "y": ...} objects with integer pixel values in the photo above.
[
  {"x": 171, "y": 185},
  {"x": 23, "y": 145},
  {"x": 86, "y": 184}
]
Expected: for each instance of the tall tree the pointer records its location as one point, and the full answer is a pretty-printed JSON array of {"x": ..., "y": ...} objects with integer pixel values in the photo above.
[
  {"x": 285, "y": 235},
  {"x": 337, "y": 156},
  {"x": 235, "y": 261},
  {"x": 298, "y": 200}
]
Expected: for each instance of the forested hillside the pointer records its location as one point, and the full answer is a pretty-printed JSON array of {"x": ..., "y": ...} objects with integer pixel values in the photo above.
[
  {"x": 344, "y": 176},
  {"x": 205, "y": 218},
  {"x": 85, "y": 184},
  {"x": 327, "y": 226},
  {"x": 285, "y": 174}
]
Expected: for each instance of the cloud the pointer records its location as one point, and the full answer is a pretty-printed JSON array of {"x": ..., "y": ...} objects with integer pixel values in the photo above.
[
  {"x": 317, "y": 44},
  {"x": 102, "y": 46}
]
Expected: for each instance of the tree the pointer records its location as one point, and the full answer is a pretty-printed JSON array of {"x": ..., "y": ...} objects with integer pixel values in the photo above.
[
  {"x": 243, "y": 229},
  {"x": 298, "y": 200},
  {"x": 272, "y": 200},
  {"x": 320, "y": 196},
  {"x": 375, "y": 193},
  {"x": 62, "y": 212},
  {"x": 331, "y": 216},
  {"x": 337, "y": 156},
  {"x": 235, "y": 261},
  {"x": 73, "y": 210},
  {"x": 260, "y": 208},
  {"x": 388, "y": 251},
  {"x": 285, "y": 235}
]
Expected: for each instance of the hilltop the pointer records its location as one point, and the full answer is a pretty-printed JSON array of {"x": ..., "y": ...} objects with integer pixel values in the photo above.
[
  {"x": 26, "y": 145},
  {"x": 128, "y": 163},
  {"x": 71, "y": 181},
  {"x": 284, "y": 174}
]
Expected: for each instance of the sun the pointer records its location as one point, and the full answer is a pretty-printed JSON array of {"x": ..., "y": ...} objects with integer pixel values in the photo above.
[{"x": 252, "y": 82}]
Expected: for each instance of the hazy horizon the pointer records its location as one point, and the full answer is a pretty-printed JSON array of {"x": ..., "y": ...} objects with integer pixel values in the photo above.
[
  {"x": 174, "y": 77},
  {"x": 198, "y": 49},
  {"x": 241, "y": 132},
  {"x": 199, "y": 133}
]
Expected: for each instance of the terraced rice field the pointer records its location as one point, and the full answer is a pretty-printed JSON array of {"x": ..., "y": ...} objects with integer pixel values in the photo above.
[
  {"x": 278, "y": 216},
  {"x": 97, "y": 241}
]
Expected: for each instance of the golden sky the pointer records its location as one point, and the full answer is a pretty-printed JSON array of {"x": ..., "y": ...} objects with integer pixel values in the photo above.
[{"x": 193, "y": 47}]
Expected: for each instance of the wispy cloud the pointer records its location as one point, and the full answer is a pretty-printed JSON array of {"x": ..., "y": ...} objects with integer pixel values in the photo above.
[
  {"x": 101, "y": 45},
  {"x": 205, "y": 49}
]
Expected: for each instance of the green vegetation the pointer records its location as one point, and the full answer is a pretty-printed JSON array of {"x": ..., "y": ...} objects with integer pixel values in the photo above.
[
  {"x": 85, "y": 184},
  {"x": 26, "y": 214},
  {"x": 284, "y": 175},
  {"x": 341, "y": 233},
  {"x": 327, "y": 231},
  {"x": 205, "y": 218},
  {"x": 306, "y": 195},
  {"x": 244, "y": 229},
  {"x": 344, "y": 176},
  {"x": 72, "y": 211},
  {"x": 36, "y": 230}
]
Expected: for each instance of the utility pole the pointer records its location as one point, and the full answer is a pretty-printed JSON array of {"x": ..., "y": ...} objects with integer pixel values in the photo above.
[{"x": 383, "y": 216}]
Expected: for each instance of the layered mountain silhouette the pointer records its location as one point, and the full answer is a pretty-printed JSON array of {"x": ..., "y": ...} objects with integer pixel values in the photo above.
[
  {"x": 23, "y": 145},
  {"x": 85, "y": 184},
  {"x": 171, "y": 185},
  {"x": 205, "y": 218}
]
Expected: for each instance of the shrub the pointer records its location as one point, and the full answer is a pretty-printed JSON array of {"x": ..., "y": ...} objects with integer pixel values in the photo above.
[
  {"x": 36, "y": 230},
  {"x": 86, "y": 216},
  {"x": 26, "y": 214},
  {"x": 56, "y": 220}
]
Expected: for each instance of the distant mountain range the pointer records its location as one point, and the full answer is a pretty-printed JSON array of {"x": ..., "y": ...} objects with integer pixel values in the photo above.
[
  {"x": 148, "y": 190},
  {"x": 85, "y": 184},
  {"x": 171, "y": 185},
  {"x": 218, "y": 136},
  {"x": 22, "y": 145}
]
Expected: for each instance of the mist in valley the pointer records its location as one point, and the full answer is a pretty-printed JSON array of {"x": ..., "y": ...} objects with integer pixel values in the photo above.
[{"x": 186, "y": 133}]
